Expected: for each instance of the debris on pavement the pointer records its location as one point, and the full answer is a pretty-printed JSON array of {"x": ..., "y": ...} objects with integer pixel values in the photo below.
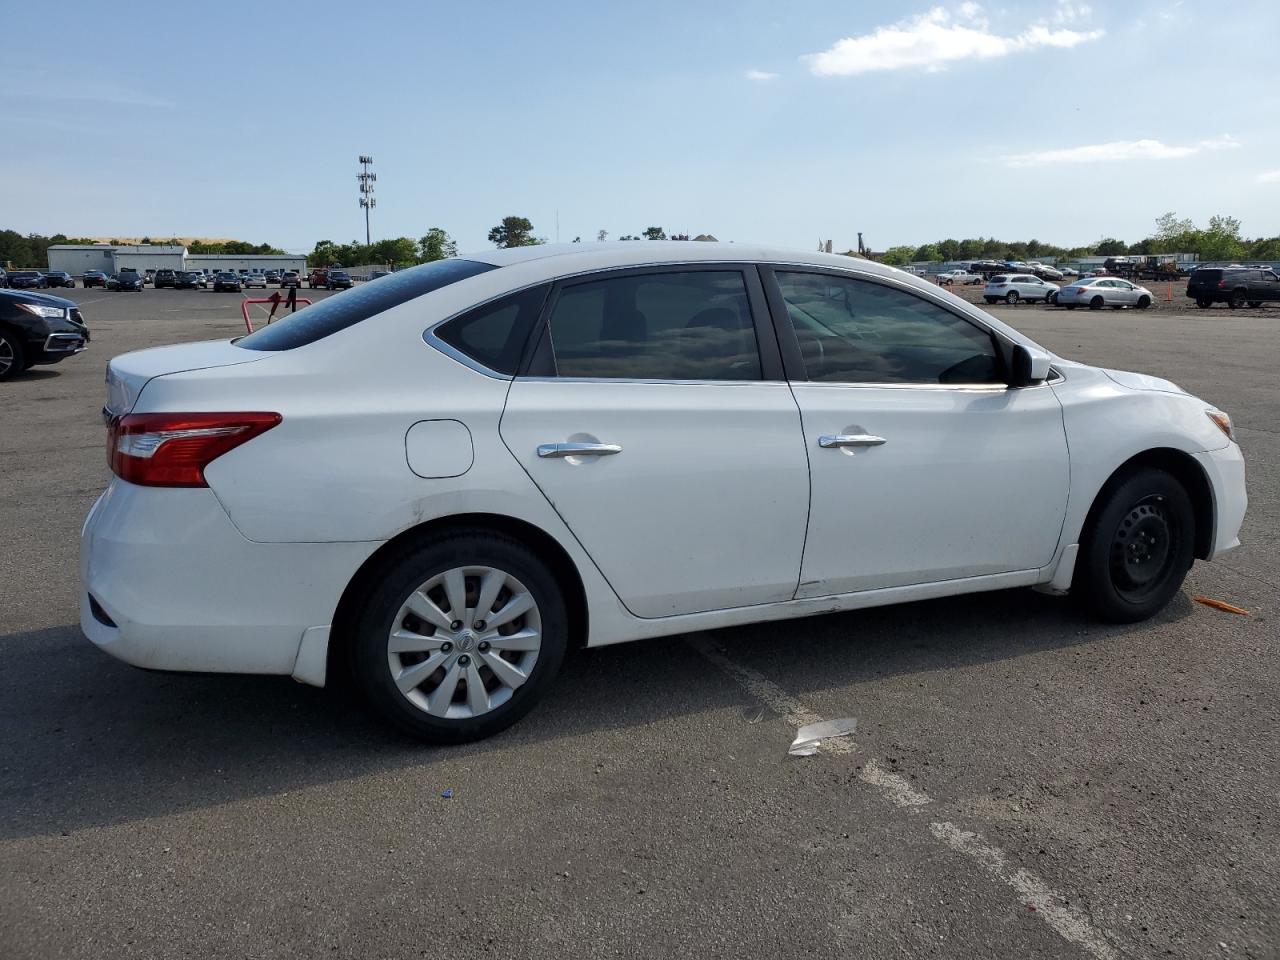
[
  {"x": 1221, "y": 605},
  {"x": 447, "y": 793},
  {"x": 810, "y": 737},
  {"x": 753, "y": 714}
]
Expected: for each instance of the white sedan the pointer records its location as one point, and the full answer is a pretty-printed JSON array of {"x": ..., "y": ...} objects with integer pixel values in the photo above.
[
  {"x": 1098, "y": 292},
  {"x": 1012, "y": 287},
  {"x": 435, "y": 485}
]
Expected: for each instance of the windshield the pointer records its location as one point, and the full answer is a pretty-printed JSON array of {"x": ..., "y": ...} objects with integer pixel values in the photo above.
[{"x": 360, "y": 303}]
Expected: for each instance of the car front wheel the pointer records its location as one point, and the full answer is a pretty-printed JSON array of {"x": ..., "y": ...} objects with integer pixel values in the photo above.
[
  {"x": 12, "y": 356},
  {"x": 1143, "y": 303},
  {"x": 460, "y": 637},
  {"x": 1138, "y": 549}
]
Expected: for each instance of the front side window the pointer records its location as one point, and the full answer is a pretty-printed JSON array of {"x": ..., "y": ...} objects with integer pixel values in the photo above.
[
  {"x": 683, "y": 325},
  {"x": 857, "y": 331}
]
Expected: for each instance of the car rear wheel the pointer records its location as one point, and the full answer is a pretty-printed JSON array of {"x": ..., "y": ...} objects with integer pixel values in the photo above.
[
  {"x": 1011, "y": 297},
  {"x": 13, "y": 358},
  {"x": 460, "y": 637},
  {"x": 1237, "y": 300},
  {"x": 1143, "y": 303},
  {"x": 1138, "y": 549},
  {"x": 1204, "y": 304},
  {"x": 1069, "y": 306},
  {"x": 1096, "y": 303},
  {"x": 1255, "y": 304},
  {"x": 990, "y": 299}
]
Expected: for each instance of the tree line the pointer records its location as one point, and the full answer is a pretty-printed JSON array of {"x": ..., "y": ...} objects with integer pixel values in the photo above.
[
  {"x": 1220, "y": 240},
  {"x": 32, "y": 250}
]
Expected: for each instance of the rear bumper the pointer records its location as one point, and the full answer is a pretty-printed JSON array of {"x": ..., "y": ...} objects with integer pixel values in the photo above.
[{"x": 184, "y": 590}]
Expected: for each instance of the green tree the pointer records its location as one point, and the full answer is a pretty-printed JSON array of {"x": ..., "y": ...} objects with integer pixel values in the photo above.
[
  {"x": 514, "y": 232},
  {"x": 927, "y": 252},
  {"x": 1109, "y": 247},
  {"x": 602, "y": 235},
  {"x": 898, "y": 256},
  {"x": 655, "y": 233},
  {"x": 1222, "y": 240},
  {"x": 436, "y": 245}
]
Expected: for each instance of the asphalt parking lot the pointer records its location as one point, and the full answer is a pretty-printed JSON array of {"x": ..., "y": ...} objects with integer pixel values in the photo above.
[{"x": 1022, "y": 782}]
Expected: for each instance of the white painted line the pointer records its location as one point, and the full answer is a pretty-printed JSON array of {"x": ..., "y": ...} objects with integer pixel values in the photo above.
[
  {"x": 1070, "y": 924},
  {"x": 895, "y": 787},
  {"x": 85, "y": 303}
]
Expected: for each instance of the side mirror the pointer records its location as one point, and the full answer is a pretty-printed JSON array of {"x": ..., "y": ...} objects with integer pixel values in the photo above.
[{"x": 1030, "y": 366}]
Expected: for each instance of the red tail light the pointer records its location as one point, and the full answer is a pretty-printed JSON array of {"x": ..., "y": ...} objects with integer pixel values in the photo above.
[
  {"x": 1221, "y": 284},
  {"x": 172, "y": 449}
]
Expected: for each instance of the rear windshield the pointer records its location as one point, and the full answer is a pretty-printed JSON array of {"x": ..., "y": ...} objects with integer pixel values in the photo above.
[
  {"x": 1206, "y": 273},
  {"x": 999, "y": 280},
  {"x": 337, "y": 313}
]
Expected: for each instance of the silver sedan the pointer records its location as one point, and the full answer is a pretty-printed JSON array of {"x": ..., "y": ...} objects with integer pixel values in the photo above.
[{"x": 1098, "y": 292}]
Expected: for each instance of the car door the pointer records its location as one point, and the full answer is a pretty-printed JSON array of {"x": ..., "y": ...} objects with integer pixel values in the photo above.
[
  {"x": 1269, "y": 286},
  {"x": 1126, "y": 292},
  {"x": 655, "y": 418},
  {"x": 926, "y": 466}
]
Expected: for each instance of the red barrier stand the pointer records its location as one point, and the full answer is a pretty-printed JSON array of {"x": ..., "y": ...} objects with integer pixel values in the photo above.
[{"x": 244, "y": 307}]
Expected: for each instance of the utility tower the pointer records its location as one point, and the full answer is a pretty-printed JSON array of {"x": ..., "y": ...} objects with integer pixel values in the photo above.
[{"x": 367, "y": 179}]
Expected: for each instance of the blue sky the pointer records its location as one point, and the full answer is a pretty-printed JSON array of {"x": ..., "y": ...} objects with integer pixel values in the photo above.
[{"x": 752, "y": 121}]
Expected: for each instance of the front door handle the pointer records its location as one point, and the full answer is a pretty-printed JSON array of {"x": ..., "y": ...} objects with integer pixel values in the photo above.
[
  {"x": 558, "y": 451},
  {"x": 828, "y": 442}
]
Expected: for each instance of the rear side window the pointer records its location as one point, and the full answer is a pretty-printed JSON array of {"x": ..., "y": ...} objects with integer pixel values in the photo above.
[
  {"x": 684, "y": 325},
  {"x": 494, "y": 335},
  {"x": 347, "y": 309}
]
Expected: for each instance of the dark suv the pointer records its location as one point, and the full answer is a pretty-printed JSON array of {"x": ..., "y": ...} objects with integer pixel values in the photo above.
[
  {"x": 1234, "y": 286},
  {"x": 165, "y": 278},
  {"x": 37, "y": 328}
]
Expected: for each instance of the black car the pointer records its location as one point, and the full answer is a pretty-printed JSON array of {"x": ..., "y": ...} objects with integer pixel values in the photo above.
[
  {"x": 271, "y": 276},
  {"x": 4, "y": 278},
  {"x": 188, "y": 280},
  {"x": 37, "y": 328},
  {"x": 227, "y": 281},
  {"x": 59, "y": 278},
  {"x": 1234, "y": 286},
  {"x": 26, "y": 280},
  {"x": 126, "y": 280},
  {"x": 165, "y": 278},
  {"x": 339, "y": 280},
  {"x": 95, "y": 278}
]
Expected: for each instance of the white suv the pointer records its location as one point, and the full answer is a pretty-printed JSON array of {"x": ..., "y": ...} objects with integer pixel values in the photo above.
[
  {"x": 439, "y": 484},
  {"x": 1012, "y": 287}
]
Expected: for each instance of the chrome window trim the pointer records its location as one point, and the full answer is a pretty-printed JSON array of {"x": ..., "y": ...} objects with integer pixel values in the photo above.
[
  {"x": 432, "y": 340},
  {"x": 711, "y": 383}
]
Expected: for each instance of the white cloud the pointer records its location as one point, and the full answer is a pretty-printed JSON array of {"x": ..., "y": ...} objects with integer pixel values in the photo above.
[
  {"x": 934, "y": 39},
  {"x": 1271, "y": 176},
  {"x": 1119, "y": 150},
  {"x": 762, "y": 76}
]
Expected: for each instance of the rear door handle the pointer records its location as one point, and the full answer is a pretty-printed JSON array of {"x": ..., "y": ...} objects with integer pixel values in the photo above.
[
  {"x": 558, "y": 451},
  {"x": 829, "y": 442}
]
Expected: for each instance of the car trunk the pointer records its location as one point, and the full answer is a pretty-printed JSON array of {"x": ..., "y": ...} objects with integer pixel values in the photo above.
[
  {"x": 128, "y": 373},
  {"x": 1206, "y": 280}
]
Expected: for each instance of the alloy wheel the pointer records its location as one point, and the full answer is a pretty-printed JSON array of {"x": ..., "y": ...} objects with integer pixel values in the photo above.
[
  {"x": 464, "y": 641},
  {"x": 7, "y": 356}
]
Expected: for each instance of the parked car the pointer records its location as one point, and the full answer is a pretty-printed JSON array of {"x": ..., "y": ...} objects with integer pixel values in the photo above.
[
  {"x": 59, "y": 278},
  {"x": 189, "y": 280},
  {"x": 272, "y": 276},
  {"x": 126, "y": 280},
  {"x": 165, "y": 278},
  {"x": 1012, "y": 287},
  {"x": 4, "y": 278},
  {"x": 1234, "y": 286},
  {"x": 95, "y": 278},
  {"x": 961, "y": 277},
  {"x": 375, "y": 274},
  {"x": 1070, "y": 272},
  {"x": 1046, "y": 272},
  {"x": 26, "y": 280},
  {"x": 339, "y": 280},
  {"x": 444, "y": 545},
  {"x": 318, "y": 279},
  {"x": 1098, "y": 292},
  {"x": 988, "y": 268},
  {"x": 36, "y": 328},
  {"x": 254, "y": 280},
  {"x": 227, "y": 281},
  {"x": 290, "y": 278}
]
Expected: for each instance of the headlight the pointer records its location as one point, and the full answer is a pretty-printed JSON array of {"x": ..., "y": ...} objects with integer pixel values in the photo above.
[
  {"x": 1223, "y": 422},
  {"x": 40, "y": 311}
]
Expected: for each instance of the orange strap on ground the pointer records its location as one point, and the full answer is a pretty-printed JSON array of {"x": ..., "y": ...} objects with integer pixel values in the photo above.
[{"x": 1221, "y": 605}]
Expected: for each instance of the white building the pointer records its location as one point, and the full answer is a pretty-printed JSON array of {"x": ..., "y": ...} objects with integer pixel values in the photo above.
[{"x": 75, "y": 259}]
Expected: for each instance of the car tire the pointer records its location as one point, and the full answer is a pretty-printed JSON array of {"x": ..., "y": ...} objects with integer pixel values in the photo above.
[
  {"x": 1069, "y": 306},
  {"x": 1011, "y": 297},
  {"x": 1051, "y": 298},
  {"x": 1255, "y": 304},
  {"x": 13, "y": 355},
  {"x": 989, "y": 299},
  {"x": 1137, "y": 549},
  {"x": 389, "y": 639},
  {"x": 1204, "y": 304},
  {"x": 1236, "y": 301},
  {"x": 1143, "y": 303},
  {"x": 1096, "y": 303}
]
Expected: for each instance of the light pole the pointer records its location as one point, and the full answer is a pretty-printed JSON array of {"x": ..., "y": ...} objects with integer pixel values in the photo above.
[{"x": 367, "y": 180}]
